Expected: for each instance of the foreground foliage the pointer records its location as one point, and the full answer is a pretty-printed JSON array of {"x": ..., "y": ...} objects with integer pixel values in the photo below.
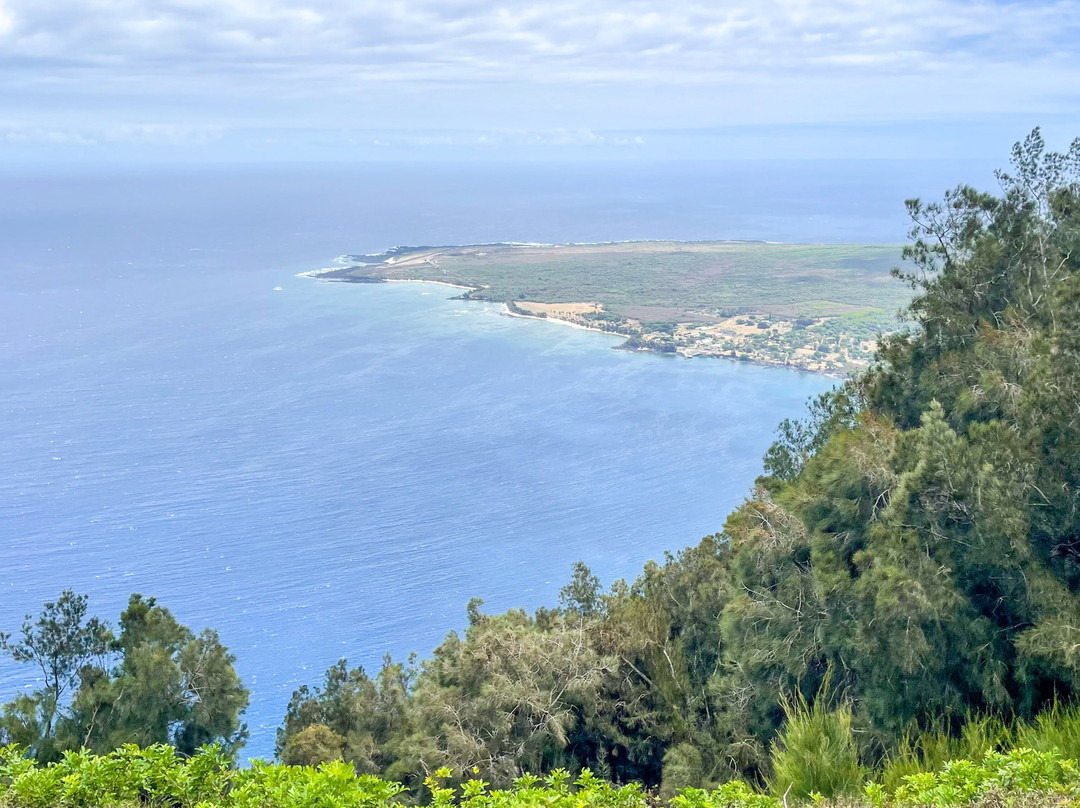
[{"x": 157, "y": 776}]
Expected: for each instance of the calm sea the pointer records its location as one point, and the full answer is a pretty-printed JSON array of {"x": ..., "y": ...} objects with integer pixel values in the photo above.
[{"x": 334, "y": 470}]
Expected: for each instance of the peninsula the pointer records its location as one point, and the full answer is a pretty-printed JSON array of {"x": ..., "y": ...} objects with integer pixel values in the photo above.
[{"x": 814, "y": 307}]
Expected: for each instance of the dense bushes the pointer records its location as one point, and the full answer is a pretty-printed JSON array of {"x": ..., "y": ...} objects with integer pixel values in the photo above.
[
  {"x": 964, "y": 782},
  {"x": 156, "y": 777}
]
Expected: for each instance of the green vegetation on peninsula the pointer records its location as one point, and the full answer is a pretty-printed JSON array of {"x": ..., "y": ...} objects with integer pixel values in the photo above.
[
  {"x": 810, "y": 306},
  {"x": 891, "y": 618}
]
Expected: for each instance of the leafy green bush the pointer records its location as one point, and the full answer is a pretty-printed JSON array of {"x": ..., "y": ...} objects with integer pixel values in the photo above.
[
  {"x": 964, "y": 782},
  {"x": 735, "y": 794},
  {"x": 156, "y": 776},
  {"x": 331, "y": 785},
  {"x": 554, "y": 791}
]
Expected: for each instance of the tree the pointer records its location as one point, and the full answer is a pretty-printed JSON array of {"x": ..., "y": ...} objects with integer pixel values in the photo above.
[
  {"x": 153, "y": 683},
  {"x": 508, "y": 697},
  {"x": 312, "y": 746},
  {"x": 582, "y": 594},
  {"x": 797, "y": 440},
  {"x": 213, "y": 697},
  {"x": 60, "y": 643},
  {"x": 352, "y": 716}
]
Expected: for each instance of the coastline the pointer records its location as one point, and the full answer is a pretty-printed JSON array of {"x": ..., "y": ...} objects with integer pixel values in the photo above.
[
  {"x": 506, "y": 311},
  {"x": 552, "y": 319},
  {"x": 681, "y": 354},
  {"x": 793, "y": 309},
  {"x": 422, "y": 280}
]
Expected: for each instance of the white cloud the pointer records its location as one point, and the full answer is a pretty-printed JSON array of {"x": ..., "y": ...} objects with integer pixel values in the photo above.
[
  {"x": 558, "y": 68},
  {"x": 533, "y": 39},
  {"x": 145, "y": 133}
]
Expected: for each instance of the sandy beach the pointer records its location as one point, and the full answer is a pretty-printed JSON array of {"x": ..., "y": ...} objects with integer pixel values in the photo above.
[
  {"x": 560, "y": 321},
  {"x": 420, "y": 280}
]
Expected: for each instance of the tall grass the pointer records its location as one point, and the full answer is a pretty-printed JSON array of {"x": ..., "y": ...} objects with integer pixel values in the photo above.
[
  {"x": 1054, "y": 729},
  {"x": 816, "y": 752},
  {"x": 929, "y": 750}
]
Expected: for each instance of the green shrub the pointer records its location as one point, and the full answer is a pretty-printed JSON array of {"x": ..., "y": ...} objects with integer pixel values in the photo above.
[
  {"x": 964, "y": 782},
  {"x": 816, "y": 752},
  {"x": 331, "y": 785},
  {"x": 158, "y": 778},
  {"x": 735, "y": 794},
  {"x": 554, "y": 791}
]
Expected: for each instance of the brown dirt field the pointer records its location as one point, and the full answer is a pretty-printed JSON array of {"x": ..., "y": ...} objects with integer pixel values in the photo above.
[{"x": 559, "y": 309}]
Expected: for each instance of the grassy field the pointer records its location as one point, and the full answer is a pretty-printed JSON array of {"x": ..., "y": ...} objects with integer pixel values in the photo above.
[{"x": 813, "y": 306}]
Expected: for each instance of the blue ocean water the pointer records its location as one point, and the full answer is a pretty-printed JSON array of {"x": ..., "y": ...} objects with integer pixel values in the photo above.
[{"x": 333, "y": 470}]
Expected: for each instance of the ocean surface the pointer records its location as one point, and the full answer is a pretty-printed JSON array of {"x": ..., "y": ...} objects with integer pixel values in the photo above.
[{"x": 333, "y": 470}]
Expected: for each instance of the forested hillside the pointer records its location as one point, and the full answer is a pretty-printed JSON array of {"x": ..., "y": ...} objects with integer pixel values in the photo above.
[{"x": 909, "y": 562}]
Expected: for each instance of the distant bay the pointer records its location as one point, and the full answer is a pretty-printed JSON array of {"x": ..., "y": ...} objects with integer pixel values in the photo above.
[{"x": 334, "y": 470}]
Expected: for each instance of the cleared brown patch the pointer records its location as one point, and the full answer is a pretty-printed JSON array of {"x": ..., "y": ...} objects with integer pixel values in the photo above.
[{"x": 559, "y": 309}]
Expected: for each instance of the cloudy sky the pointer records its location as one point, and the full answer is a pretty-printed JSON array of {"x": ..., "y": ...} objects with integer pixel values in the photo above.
[{"x": 412, "y": 78}]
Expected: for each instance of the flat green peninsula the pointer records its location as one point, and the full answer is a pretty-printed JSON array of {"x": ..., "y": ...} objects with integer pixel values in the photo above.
[{"x": 815, "y": 307}]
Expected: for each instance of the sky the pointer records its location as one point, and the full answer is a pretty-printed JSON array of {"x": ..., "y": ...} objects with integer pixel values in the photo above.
[{"x": 520, "y": 79}]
